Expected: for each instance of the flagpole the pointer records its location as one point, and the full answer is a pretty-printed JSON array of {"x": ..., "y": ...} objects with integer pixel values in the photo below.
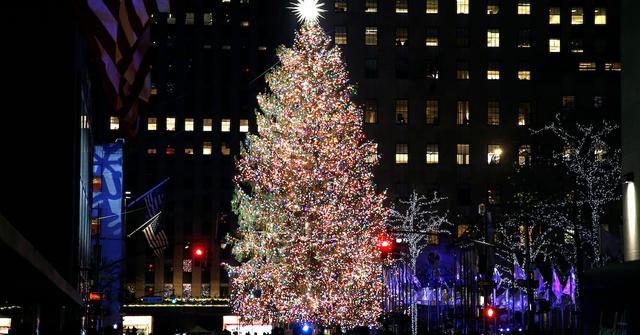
[{"x": 144, "y": 225}]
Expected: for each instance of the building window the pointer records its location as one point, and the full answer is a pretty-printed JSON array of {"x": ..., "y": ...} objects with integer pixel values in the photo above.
[
  {"x": 371, "y": 111},
  {"x": 207, "y": 125},
  {"x": 494, "y": 152},
  {"x": 225, "y": 126},
  {"x": 462, "y": 154},
  {"x": 188, "y": 124},
  {"x": 586, "y": 66},
  {"x": 598, "y": 101},
  {"x": 600, "y": 16},
  {"x": 554, "y": 45},
  {"x": 576, "y": 46},
  {"x": 577, "y": 15},
  {"x": 401, "y": 36},
  {"x": 340, "y": 5},
  {"x": 524, "y": 7},
  {"x": 372, "y": 155},
  {"x": 493, "y": 38},
  {"x": 171, "y": 124},
  {"x": 340, "y": 36},
  {"x": 432, "y": 111},
  {"x": 171, "y": 19},
  {"x": 224, "y": 149},
  {"x": 189, "y": 18},
  {"x": 462, "y": 115},
  {"x": 170, "y": 151},
  {"x": 188, "y": 151},
  {"x": 524, "y": 74},
  {"x": 402, "y": 6},
  {"x": 524, "y": 155},
  {"x": 493, "y": 71},
  {"x": 371, "y": 6},
  {"x": 371, "y": 36},
  {"x": 462, "y": 37},
  {"x": 462, "y": 6},
  {"x": 432, "y": 153},
  {"x": 493, "y": 113},
  {"x": 433, "y": 71},
  {"x": 152, "y": 124},
  {"x": 462, "y": 71},
  {"x": 206, "y": 148},
  {"x": 493, "y": 7},
  {"x": 402, "y": 153},
  {"x": 554, "y": 15},
  {"x": 370, "y": 68},
  {"x": 612, "y": 67},
  {"x": 524, "y": 38},
  {"x": 402, "y": 111},
  {"x": 244, "y": 126},
  {"x": 402, "y": 68},
  {"x": 114, "y": 123},
  {"x": 432, "y": 6},
  {"x": 432, "y": 37},
  {"x": 568, "y": 101},
  {"x": 524, "y": 113},
  {"x": 152, "y": 151},
  {"x": 207, "y": 19},
  {"x": 493, "y": 196}
]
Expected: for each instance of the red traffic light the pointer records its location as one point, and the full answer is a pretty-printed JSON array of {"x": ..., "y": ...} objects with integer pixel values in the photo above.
[
  {"x": 489, "y": 312},
  {"x": 95, "y": 296},
  {"x": 198, "y": 251},
  {"x": 385, "y": 244}
]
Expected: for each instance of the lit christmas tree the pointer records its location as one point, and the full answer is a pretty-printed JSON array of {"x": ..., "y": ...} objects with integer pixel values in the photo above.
[{"x": 308, "y": 213}]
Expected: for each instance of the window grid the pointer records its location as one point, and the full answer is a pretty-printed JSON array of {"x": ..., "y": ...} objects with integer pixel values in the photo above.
[
  {"x": 188, "y": 124},
  {"x": 524, "y": 113},
  {"x": 340, "y": 5},
  {"x": 432, "y": 154},
  {"x": 524, "y": 38},
  {"x": 402, "y": 36},
  {"x": 225, "y": 125},
  {"x": 524, "y": 7},
  {"x": 432, "y": 6},
  {"x": 493, "y": 71},
  {"x": 371, "y": 111},
  {"x": 494, "y": 153},
  {"x": 340, "y": 36},
  {"x": 493, "y": 7},
  {"x": 432, "y": 37},
  {"x": 402, "y": 111},
  {"x": 463, "y": 113},
  {"x": 524, "y": 155},
  {"x": 402, "y": 153},
  {"x": 171, "y": 124},
  {"x": 554, "y": 45},
  {"x": 371, "y": 36},
  {"x": 152, "y": 124},
  {"x": 244, "y": 126},
  {"x": 554, "y": 15},
  {"x": 462, "y": 71},
  {"x": 577, "y": 15},
  {"x": 371, "y": 6},
  {"x": 493, "y": 113},
  {"x": 524, "y": 75},
  {"x": 493, "y": 38},
  {"x": 462, "y": 154},
  {"x": 114, "y": 123},
  {"x": 207, "y": 125},
  {"x": 462, "y": 6},
  {"x": 600, "y": 16},
  {"x": 402, "y": 6},
  {"x": 432, "y": 111},
  {"x": 206, "y": 148}
]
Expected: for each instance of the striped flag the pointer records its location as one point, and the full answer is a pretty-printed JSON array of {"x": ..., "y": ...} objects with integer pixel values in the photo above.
[
  {"x": 152, "y": 228},
  {"x": 119, "y": 34},
  {"x": 155, "y": 235}
]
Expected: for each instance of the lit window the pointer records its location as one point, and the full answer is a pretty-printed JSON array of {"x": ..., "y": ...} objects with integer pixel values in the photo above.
[
  {"x": 493, "y": 113},
  {"x": 433, "y": 71},
  {"x": 524, "y": 155},
  {"x": 340, "y": 35},
  {"x": 171, "y": 19},
  {"x": 577, "y": 15},
  {"x": 493, "y": 7},
  {"x": 225, "y": 126},
  {"x": 586, "y": 66},
  {"x": 171, "y": 124},
  {"x": 432, "y": 37},
  {"x": 462, "y": 229},
  {"x": 206, "y": 148},
  {"x": 152, "y": 124},
  {"x": 402, "y": 153},
  {"x": 188, "y": 151},
  {"x": 462, "y": 115},
  {"x": 554, "y": 45},
  {"x": 224, "y": 149},
  {"x": 494, "y": 152},
  {"x": 432, "y": 111},
  {"x": 524, "y": 38},
  {"x": 114, "y": 123},
  {"x": 493, "y": 71},
  {"x": 462, "y": 6},
  {"x": 244, "y": 126},
  {"x": 189, "y": 18},
  {"x": 152, "y": 151},
  {"x": 188, "y": 124},
  {"x": 576, "y": 46},
  {"x": 244, "y": 23},
  {"x": 462, "y": 154},
  {"x": 524, "y": 75},
  {"x": 524, "y": 113},
  {"x": 554, "y": 15},
  {"x": 153, "y": 91},
  {"x": 432, "y": 153},
  {"x": 170, "y": 151},
  {"x": 371, "y": 36},
  {"x": 432, "y": 6},
  {"x": 371, "y": 6},
  {"x": 207, "y": 125},
  {"x": 568, "y": 101},
  {"x": 612, "y": 67},
  {"x": 370, "y": 111},
  {"x": 401, "y": 36},
  {"x": 340, "y": 5},
  {"x": 402, "y": 6},
  {"x": 524, "y": 7},
  {"x": 372, "y": 156},
  {"x": 207, "y": 19},
  {"x": 599, "y": 154},
  {"x": 462, "y": 72},
  {"x": 493, "y": 38},
  {"x": 600, "y": 16},
  {"x": 493, "y": 196},
  {"x": 402, "y": 112}
]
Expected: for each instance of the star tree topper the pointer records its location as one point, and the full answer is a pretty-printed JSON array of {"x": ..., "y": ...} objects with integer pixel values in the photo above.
[{"x": 307, "y": 10}]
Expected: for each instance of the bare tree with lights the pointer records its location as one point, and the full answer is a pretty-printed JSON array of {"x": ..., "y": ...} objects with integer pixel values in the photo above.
[{"x": 415, "y": 223}]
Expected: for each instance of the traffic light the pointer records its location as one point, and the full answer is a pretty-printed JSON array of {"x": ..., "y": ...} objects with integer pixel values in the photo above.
[
  {"x": 490, "y": 313},
  {"x": 198, "y": 254},
  {"x": 385, "y": 245}
]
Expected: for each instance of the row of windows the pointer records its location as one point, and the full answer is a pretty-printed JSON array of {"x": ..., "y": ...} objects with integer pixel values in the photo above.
[
  {"x": 207, "y": 150},
  {"x": 189, "y": 124},
  {"x": 493, "y": 8},
  {"x": 463, "y": 155}
]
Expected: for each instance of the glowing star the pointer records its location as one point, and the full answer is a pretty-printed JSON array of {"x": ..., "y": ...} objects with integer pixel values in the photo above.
[{"x": 307, "y": 10}]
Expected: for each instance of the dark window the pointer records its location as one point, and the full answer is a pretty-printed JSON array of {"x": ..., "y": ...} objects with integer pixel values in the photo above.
[{"x": 371, "y": 68}]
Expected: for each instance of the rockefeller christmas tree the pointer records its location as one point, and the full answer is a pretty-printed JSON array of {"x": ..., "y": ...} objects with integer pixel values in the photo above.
[{"x": 309, "y": 217}]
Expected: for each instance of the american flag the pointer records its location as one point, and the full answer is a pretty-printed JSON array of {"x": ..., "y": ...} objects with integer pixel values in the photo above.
[
  {"x": 152, "y": 228},
  {"x": 155, "y": 235},
  {"x": 119, "y": 34}
]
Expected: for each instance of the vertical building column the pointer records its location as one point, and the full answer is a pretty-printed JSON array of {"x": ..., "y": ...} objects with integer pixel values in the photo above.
[
  {"x": 215, "y": 269},
  {"x": 158, "y": 279},
  {"x": 196, "y": 281},
  {"x": 178, "y": 251},
  {"x": 140, "y": 267},
  {"x": 630, "y": 230}
]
